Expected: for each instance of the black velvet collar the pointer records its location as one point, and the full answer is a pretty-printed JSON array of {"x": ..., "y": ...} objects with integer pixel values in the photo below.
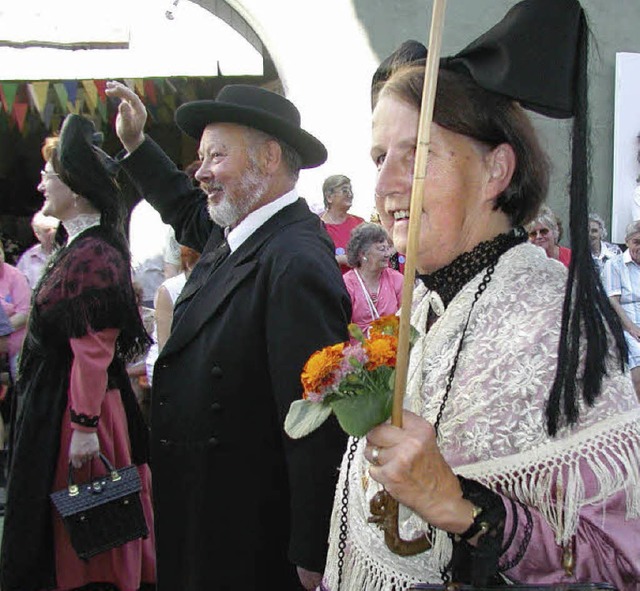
[{"x": 449, "y": 280}]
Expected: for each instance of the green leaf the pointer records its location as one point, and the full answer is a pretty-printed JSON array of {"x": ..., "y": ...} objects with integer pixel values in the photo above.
[
  {"x": 356, "y": 332},
  {"x": 357, "y": 415},
  {"x": 304, "y": 417}
]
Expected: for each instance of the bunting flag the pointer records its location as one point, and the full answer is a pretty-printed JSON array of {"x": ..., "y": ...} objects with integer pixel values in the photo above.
[
  {"x": 138, "y": 84},
  {"x": 150, "y": 92},
  {"x": 47, "y": 114},
  {"x": 8, "y": 95},
  {"x": 102, "y": 110},
  {"x": 90, "y": 95},
  {"x": 38, "y": 92},
  {"x": 61, "y": 94},
  {"x": 22, "y": 103},
  {"x": 170, "y": 101},
  {"x": 19, "y": 113},
  {"x": 101, "y": 86}
]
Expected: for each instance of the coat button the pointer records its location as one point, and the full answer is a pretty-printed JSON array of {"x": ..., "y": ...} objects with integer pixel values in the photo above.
[
  {"x": 216, "y": 372},
  {"x": 216, "y": 407},
  {"x": 213, "y": 442}
]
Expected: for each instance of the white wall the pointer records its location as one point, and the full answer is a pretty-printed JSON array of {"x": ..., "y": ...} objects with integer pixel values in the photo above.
[{"x": 325, "y": 64}]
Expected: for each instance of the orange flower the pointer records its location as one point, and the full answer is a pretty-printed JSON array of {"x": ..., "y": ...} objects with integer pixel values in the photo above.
[
  {"x": 381, "y": 350},
  {"x": 385, "y": 325},
  {"x": 318, "y": 371}
]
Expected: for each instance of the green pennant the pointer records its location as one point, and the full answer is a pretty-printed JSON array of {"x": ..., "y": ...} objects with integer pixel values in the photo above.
[
  {"x": 62, "y": 96},
  {"x": 10, "y": 89}
]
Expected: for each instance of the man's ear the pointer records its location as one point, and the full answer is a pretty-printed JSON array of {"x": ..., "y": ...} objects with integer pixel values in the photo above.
[
  {"x": 271, "y": 156},
  {"x": 501, "y": 164}
]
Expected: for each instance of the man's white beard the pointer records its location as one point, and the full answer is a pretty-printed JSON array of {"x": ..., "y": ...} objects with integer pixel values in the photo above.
[{"x": 236, "y": 204}]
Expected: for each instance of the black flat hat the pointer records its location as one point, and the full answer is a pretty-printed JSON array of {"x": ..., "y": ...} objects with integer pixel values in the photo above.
[
  {"x": 254, "y": 107},
  {"x": 84, "y": 167}
]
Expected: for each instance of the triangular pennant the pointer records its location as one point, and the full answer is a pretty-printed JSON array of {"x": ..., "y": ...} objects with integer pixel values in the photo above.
[
  {"x": 19, "y": 113},
  {"x": 91, "y": 94},
  {"x": 61, "y": 94},
  {"x": 170, "y": 86},
  {"x": 150, "y": 92},
  {"x": 39, "y": 91},
  {"x": 101, "y": 86},
  {"x": 72, "y": 108},
  {"x": 138, "y": 84},
  {"x": 102, "y": 110},
  {"x": 71, "y": 87},
  {"x": 153, "y": 112},
  {"x": 170, "y": 101},
  {"x": 10, "y": 90},
  {"x": 130, "y": 83},
  {"x": 159, "y": 82},
  {"x": 48, "y": 114}
]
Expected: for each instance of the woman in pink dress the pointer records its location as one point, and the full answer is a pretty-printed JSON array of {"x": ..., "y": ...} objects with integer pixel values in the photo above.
[
  {"x": 544, "y": 232},
  {"x": 374, "y": 287},
  {"x": 76, "y": 395}
]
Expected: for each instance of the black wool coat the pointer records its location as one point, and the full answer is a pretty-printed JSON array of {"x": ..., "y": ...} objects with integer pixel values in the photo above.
[{"x": 237, "y": 502}]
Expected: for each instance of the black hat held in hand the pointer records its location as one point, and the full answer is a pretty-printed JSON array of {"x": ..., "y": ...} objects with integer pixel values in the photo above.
[{"x": 254, "y": 107}]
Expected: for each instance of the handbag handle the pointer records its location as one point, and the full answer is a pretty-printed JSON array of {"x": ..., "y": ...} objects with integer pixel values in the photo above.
[{"x": 73, "y": 487}]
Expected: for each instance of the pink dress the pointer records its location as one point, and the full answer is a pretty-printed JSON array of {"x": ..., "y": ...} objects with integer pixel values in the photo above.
[
  {"x": 388, "y": 299},
  {"x": 134, "y": 562}
]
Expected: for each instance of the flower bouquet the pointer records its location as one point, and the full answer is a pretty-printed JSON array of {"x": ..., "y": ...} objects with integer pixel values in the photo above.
[{"x": 353, "y": 380}]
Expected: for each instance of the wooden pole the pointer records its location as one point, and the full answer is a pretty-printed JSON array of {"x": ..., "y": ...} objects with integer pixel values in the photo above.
[{"x": 415, "y": 210}]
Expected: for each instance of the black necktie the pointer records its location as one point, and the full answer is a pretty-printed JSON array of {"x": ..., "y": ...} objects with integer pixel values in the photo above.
[{"x": 207, "y": 264}]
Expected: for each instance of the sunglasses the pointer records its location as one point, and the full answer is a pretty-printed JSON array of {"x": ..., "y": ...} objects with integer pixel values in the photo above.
[{"x": 542, "y": 231}]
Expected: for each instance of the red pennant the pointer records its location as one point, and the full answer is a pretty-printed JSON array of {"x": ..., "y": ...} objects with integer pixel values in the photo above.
[
  {"x": 20, "y": 113},
  {"x": 101, "y": 85},
  {"x": 150, "y": 91}
]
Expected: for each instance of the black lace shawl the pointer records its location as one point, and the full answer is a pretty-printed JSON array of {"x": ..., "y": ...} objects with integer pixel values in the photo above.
[{"x": 87, "y": 287}]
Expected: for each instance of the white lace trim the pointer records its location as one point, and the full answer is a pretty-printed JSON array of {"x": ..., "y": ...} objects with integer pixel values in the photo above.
[{"x": 78, "y": 224}]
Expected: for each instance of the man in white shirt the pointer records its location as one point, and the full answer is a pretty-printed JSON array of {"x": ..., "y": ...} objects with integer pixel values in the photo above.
[{"x": 239, "y": 504}]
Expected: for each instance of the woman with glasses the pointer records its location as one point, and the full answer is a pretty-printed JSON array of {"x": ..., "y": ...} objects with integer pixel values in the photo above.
[
  {"x": 338, "y": 198},
  {"x": 374, "y": 287},
  {"x": 76, "y": 397},
  {"x": 544, "y": 232}
]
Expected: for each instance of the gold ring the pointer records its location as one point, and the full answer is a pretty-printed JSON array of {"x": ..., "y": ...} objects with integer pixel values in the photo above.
[{"x": 375, "y": 456}]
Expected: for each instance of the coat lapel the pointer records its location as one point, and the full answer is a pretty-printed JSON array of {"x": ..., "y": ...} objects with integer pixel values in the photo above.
[{"x": 214, "y": 287}]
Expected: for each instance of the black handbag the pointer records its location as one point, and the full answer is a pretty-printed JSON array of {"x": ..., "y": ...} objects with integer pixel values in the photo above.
[{"x": 103, "y": 513}]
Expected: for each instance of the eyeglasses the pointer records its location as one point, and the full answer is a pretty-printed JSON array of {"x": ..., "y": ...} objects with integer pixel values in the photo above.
[
  {"x": 345, "y": 190},
  {"x": 45, "y": 175},
  {"x": 542, "y": 231}
]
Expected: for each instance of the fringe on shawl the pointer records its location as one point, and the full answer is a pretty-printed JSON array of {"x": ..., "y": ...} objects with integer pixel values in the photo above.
[{"x": 551, "y": 478}]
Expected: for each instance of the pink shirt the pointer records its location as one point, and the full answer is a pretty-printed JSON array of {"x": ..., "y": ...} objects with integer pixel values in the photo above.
[
  {"x": 340, "y": 234},
  {"x": 15, "y": 297},
  {"x": 388, "y": 301}
]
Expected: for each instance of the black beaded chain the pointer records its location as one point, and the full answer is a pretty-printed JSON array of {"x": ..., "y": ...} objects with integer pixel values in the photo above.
[
  {"x": 491, "y": 250},
  {"x": 481, "y": 288},
  {"x": 344, "y": 509}
]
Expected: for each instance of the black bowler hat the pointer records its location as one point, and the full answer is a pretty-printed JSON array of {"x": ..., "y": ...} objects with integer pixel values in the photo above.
[
  {"x": 254, "y": 107},
  {"x": 85, "y": 168}
]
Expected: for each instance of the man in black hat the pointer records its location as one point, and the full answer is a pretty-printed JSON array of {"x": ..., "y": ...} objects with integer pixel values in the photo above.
[{"x": 237, "y": 503}]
